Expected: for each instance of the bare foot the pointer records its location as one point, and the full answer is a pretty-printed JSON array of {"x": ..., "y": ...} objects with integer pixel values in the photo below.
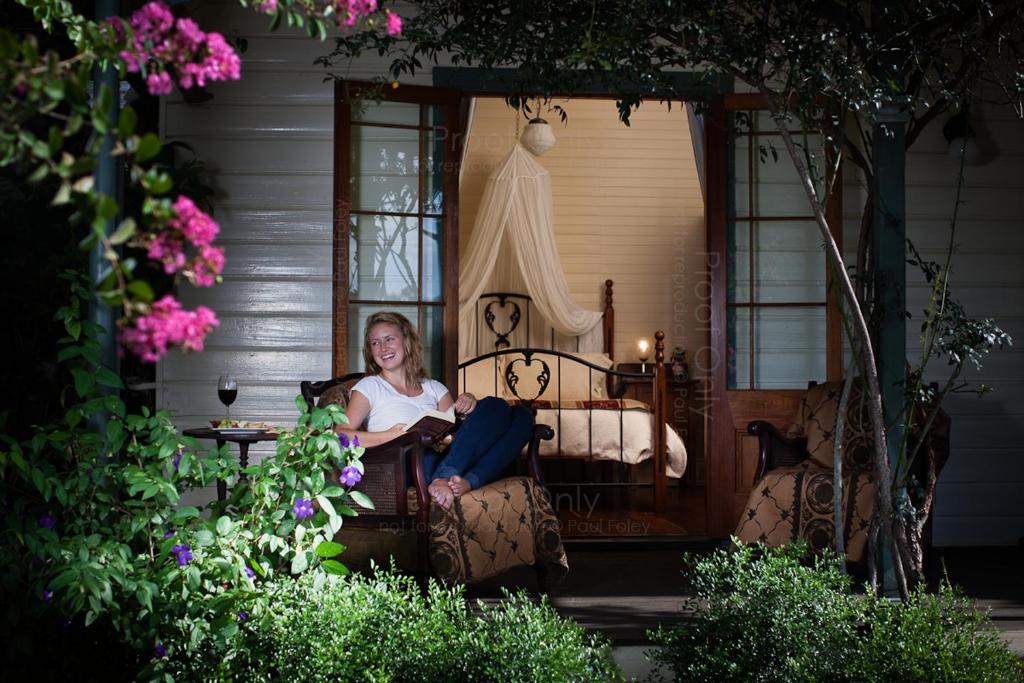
[
  {"x": 459, "y": 485},
  {"x": 440, "y": 490}
]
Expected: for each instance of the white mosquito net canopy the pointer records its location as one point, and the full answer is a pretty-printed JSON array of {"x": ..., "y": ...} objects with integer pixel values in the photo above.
[{"x": 512, "y": 249}]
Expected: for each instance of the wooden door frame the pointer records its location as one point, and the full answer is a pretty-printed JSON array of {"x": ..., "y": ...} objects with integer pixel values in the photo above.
[
  {"x": 722, "y": 464},
  {"x": 455, "y": 121}
]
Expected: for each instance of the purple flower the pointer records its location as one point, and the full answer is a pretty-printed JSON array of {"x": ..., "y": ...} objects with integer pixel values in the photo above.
[
  {"x": 169, "y": 534},
  {"x": 160, "y": 651},
  {"x": 350, "y": 476},
  {"x": 47, "y": 595},
  {"x": 343, "y": 438},
  {"x": 242, "y": 616},
  {"x": 183, "y": 552},
  {"x": 47, "y": 521},
  {"x": 177, "y": 459},
  {"x": 303, "y": 508},
  {"x": 355, "y": 442},
  {"x": 250, "y": 573}
]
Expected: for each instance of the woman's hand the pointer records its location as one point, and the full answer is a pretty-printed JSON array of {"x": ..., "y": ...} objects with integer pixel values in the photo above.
[{"x": 465, "y": 403}]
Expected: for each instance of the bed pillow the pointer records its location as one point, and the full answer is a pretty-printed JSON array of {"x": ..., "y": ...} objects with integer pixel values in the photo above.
[
  {"x": 576, "y": 381},
  {"x": 481, "y": 378}
]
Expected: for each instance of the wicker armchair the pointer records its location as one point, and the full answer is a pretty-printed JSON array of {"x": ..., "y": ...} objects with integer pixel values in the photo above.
[
  {"x": 793, "y": 493},
  {"x": 394, "y": 480}
]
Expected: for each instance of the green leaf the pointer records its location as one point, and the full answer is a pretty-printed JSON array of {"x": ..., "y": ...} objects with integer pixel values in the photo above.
[
  {"x": 108, "y": 378},
  {"x": 362, "y": 500},
  {"x": 126, "y": 122},
  {"x": 157, "y": 182},
  {"x": 62, "y": 195},
  {"x": 329, "y": 549},
  {"x": 124, "y": 231},
  {"x": 84, "y": 381},
  {"x": 204, "y": 537},
  {"x": 185, "y": 513},
  {"x": 299, "y": 562},
  {"x": 56, "y": 140},
  {"x": 326, "y": 506},
  {"x": 141, "y": 289},
  {"x": 149, "y": 147},
  {"x": 106, "y": 208},
  {"x": 300, "y": 533},
  {"x": 335, "y": 567},
  {"x": 224, "y": 525}
]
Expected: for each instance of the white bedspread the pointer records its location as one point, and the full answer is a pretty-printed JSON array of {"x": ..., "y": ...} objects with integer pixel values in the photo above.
[{"x": 608, "y": 434}]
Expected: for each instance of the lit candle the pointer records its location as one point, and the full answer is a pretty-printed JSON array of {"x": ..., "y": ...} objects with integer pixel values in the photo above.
[{"x": 642, "y": 346}]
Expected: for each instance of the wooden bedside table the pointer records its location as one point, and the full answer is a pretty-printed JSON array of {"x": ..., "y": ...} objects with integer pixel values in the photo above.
[{"x": 685, "y": 412}]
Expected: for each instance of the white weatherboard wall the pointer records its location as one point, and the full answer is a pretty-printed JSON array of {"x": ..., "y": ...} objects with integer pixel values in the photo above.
[
  {"x": 980, "y": 489},
  {"x": 269, "y": 138}
]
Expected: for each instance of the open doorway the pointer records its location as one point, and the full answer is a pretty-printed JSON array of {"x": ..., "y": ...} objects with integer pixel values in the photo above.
[{"x": 628, "y": 207}]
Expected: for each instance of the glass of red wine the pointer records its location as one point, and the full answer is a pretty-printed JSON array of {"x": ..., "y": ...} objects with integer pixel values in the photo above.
[{"x": 227, "y": 392}]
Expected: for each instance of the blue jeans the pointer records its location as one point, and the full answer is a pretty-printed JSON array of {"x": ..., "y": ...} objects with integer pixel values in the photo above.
[{"x": 490, "y": 439}]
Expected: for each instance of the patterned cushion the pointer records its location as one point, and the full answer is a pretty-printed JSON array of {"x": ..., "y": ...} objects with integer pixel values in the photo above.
[
  {"x": 796, "y": 502},
  {"x": 338, "y": 394},
  {"x": 497, "y": 527},
  {"x": 816, "y": 419}
]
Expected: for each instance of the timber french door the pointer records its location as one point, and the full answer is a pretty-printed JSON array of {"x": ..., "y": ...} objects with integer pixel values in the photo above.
[
  {"x": 396, "y": 159},
  {"x": 775, "y": 325}
]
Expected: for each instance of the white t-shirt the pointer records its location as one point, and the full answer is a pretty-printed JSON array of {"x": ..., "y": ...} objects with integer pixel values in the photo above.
[{"x": 388, "y": 407}]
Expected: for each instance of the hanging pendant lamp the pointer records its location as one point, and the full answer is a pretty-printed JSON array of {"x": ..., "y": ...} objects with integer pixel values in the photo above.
[{"x": 538, "y": 136}]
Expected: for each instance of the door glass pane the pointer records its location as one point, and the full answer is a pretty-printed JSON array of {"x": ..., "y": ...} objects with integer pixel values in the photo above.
[
  {"x": 385, "y": 169},
  {"x": 434, "y": 201},
  {"x": 400, "y": 113},
  {"x": 433, "y": 262},
  {"x": 384, "y": 258},
  {"x": 738, "y": 262},
  {"x": 789, "y": 262},
  {"x": 790, "y": 347},
  {"x": 432, "y": 333},
  {"x": 767, "y": 182},
  {"x": 738, "y": 352}
]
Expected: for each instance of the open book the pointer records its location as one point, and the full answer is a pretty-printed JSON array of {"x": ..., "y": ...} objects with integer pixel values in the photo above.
[{"x": 435, "y": 424}]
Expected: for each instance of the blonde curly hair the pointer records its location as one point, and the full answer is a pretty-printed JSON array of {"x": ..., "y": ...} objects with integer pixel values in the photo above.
[{"x": 414, "y": 371}]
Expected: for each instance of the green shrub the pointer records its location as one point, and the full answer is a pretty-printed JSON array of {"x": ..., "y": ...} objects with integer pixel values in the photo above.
[
  {"x": 382, "y": 628},
  {"x": 933, "y": 638},
  {"x": 766, "y": 618},
  {"x": 769, "y": 614}
]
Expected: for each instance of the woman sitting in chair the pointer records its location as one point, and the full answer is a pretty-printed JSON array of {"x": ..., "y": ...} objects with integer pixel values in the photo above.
[{"x": 396, "y": 389}]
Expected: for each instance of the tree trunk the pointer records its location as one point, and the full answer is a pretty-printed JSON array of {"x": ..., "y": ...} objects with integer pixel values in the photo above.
[{"x": 883, "y": 474}]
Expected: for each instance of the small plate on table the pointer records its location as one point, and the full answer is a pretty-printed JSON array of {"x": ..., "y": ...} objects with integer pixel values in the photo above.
[{"x": 239, "y": 431}]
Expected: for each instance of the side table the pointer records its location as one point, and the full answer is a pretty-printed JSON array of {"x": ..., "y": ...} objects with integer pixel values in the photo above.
[
  {"x": 684, "y": 411},
  {"x": 243, "y": 439}
]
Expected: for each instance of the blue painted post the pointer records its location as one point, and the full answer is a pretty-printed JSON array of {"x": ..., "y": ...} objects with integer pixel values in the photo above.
[
  {"x": 888, "y": 251},
  {"x": 105, "y": 173}
]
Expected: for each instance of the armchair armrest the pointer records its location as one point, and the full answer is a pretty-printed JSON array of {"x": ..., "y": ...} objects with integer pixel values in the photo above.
[
  {"x": 775, "y": 449},
  {"x": 541, "y": 432},
  {"x": 386, "y": 472}
]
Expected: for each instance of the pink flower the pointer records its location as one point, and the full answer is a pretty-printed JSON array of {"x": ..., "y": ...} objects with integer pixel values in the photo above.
[
  {"x": 190, "y": 36},
  {"x": 159, "y": 83},
  {"x": 266, "y": 6},
  {"x": 394, "y": 24},
  {"x": 177, "y": 46},
  {"x": 167, "y": 250},
  {"x": 208, "y": 265},
  {"x": 196, "y": 226},
  {"x": 167, "y": 324}
]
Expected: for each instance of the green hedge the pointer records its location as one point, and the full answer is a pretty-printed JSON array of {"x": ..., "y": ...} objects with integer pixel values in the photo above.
[
  {"x": 382, "y": 628},
  {"x": 769, "y": 614}
]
